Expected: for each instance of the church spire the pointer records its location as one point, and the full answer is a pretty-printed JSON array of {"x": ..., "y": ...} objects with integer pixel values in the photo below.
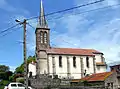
[{"x": 42, "y": 23}]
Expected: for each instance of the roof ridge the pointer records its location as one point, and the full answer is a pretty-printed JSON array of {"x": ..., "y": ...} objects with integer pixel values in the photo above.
[
  {"x": 108, "y": 75},
  {"x": 73, "y": 48},
  {"x": 102, "y": 76},
  {"x": 103, "y": 72}
]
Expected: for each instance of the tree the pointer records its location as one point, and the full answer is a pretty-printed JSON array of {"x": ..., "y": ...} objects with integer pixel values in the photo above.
[
  {"x": 3, "y": 83},
  {"x": 4, "y": 68},
  {"x": 5, "y": 75},
  {"x": 4, "y": 72},
  {"x": 20, "y": 69}
]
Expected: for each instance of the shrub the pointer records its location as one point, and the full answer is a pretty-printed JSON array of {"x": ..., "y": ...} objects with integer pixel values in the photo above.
[{"x": 20, "y": 79}]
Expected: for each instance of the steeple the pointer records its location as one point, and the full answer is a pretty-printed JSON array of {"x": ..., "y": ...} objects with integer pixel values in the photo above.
[{"x": 42, "y": 23}]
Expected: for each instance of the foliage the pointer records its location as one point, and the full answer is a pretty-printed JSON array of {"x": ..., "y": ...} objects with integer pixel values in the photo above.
[
  {"x": 11, "y": 78},
  {"x": 1, "y": 87},
  {"x": 4, "y": 68},
  {"x": 3, "y": 83},
  {"x": 20, "y": 69},
  {"x": 30, "y": 59},
  {"x": 4, "y": 72},
  {"x": 5, "y": 75},
  {"x": 21, "y": 80}
]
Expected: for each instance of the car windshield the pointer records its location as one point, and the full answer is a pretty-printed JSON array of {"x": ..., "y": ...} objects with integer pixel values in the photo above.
[
  {"x": 20, "y": 85},
  {"x": 13, "y": 85}
]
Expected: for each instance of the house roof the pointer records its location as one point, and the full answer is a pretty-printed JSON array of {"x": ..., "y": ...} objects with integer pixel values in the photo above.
[
  {"x": 100, "y": 63},
  {"x": 73, "y": 51},
  {"x": 97, "y": 77},
  {"x": 115, "y": 65}
]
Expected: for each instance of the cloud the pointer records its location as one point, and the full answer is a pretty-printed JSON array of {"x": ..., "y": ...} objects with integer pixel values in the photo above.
[
  {"x": 102, "y": 37},
  {"x": 112, "y": 2},
  {"x": 96, "y": 30},
  {"x": 2, "y": 3},
  {"x": 97, "y": 5},
  {"x": 31, "y": 27},
  {"x": 12, "y": 68},
  {"x": 6, "y": 6}
]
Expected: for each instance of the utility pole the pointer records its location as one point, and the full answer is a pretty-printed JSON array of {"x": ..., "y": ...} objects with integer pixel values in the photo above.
[
  {"x": 24, "y": 53},
  {"x": 25, "y": 56}
]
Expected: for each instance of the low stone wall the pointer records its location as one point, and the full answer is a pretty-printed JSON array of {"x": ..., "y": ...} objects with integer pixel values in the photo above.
[{"x": 44, "y": 81}]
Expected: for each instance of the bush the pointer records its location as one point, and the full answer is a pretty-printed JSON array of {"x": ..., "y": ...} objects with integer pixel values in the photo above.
[
  {"x": 3, "y": 83},
  {"x": 1, "y": 87},
  {"x": 20, "y": 79},
  {"x": 11, "y": 78}
]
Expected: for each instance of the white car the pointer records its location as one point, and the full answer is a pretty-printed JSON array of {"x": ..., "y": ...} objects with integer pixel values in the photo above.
[
  {"x": 15, "y": 85},
  {"x": 5, "y": 87}
]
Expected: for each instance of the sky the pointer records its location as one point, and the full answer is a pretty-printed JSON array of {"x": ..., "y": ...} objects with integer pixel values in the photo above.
[{"x": 80, "y": 28}]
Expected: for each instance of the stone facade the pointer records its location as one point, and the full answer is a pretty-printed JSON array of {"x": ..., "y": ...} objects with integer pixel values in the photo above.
[
  {"x": 112, "y": 81},
  {"x": 108, "y": 80}
]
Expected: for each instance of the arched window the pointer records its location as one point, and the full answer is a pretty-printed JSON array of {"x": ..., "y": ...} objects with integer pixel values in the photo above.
[
  {"x": 45, "y": 37},
  {"x": 60, "y": 61},
  {"x": 41, "y": 37},
  {"x": 87, "y": 62},
  {"x": 74, "y": 61}
]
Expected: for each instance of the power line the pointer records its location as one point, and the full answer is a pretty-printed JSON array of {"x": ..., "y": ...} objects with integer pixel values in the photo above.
[
  {"x": 60, "y": 11},
  {"x": 65, "y": 11},
  {"x": 59, "y": 17},
  {"x": 31, "y": 25},
  {"x": 75, "y": 7},
  {"x": 54, "y": 38},
  {"x": 8, "y": 29},
  {"x": 85, "y": 11}
]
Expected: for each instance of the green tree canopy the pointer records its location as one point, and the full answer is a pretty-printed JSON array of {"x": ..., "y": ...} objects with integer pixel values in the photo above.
[
  {"x": 20, "y": 69},
  {"x": 4, "y": 68},
  {"x": 4, "y": 72}
]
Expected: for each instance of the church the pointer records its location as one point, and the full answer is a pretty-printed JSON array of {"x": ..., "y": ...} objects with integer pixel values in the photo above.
[{"x": 65, "y": 63}]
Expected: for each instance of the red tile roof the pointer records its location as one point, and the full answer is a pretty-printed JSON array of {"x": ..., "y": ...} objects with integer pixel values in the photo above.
[
  {"x": 100, "y": 63},
  {"x": 73, "y": 51},
  {"x": 97, "y": 77}
]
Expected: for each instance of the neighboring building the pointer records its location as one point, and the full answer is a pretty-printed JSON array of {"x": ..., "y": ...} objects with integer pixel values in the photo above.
[
  {"x": 106, "y": 79},
  {"x": 32, "y": 69},
  {"x": 64, "y": 62},
  {"x": 117, "y": 69}
]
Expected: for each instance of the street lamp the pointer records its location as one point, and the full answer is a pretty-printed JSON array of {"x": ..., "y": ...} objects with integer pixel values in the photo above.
[{"x": 17, "y": 20}]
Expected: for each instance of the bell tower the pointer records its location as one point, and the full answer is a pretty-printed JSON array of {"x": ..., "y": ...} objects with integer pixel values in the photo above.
[
  {"x": 42, "y": 31},
  {"x": 42, "y": 42}
]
